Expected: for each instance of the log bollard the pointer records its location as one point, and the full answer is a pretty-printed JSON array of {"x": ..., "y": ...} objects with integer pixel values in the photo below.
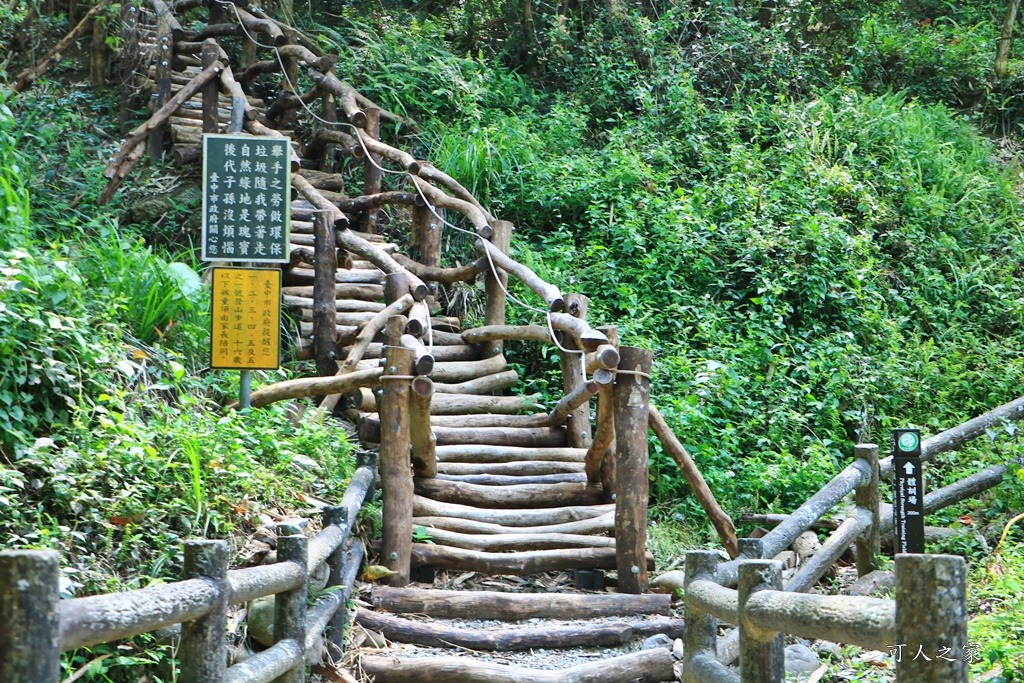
[{"x": 204, "y": 650}]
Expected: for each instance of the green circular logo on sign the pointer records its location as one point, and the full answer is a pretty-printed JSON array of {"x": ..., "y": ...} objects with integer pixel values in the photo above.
[{"x": 908, "y": 441}]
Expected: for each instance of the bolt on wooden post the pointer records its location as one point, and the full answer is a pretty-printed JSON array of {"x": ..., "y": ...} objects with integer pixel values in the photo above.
[
  {"x": 30, "y": 627},
  {"x": 867, "y": 497},
  {"x": 204, "y": 651},
  {"x": 632, "y": 401}
]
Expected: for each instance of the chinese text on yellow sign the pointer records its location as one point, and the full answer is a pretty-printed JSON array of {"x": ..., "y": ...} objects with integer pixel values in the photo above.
[{"x": 246, "y": 318}]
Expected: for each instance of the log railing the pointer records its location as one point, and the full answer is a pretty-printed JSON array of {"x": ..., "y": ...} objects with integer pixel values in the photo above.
[
  {"x": 38, "y": 625},
  {"x": 928, "y": 615}
]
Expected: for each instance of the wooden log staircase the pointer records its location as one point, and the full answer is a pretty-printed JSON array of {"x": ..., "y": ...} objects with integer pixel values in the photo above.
[{"x": 476, "y": 475}]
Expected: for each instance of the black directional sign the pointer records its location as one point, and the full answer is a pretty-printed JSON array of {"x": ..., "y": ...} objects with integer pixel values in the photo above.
[
  {"x": 245, "y": 198},
  {"x": 908, "y": 491}
]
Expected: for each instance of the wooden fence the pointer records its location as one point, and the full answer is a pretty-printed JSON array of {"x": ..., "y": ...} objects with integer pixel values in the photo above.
[
  {"x": 37, "y": 625},
  {"x": 926, "y": 623}
]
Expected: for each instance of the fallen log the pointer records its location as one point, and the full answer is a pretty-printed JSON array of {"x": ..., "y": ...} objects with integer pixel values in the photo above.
[
  {"x": 497, "y": 543},
  {"x": 29, "y": 75},
  {"x": 311, "y": 386},
  {"x": 526, "y": 562},
  {"x": 505, "y": 640},
  {"x": 521, "y": 496},
  {"x": 648, "y": 666},
  {"x": 721, "y": 521},
  {"x": 478, "y": 454},
  {"x": 425, "y": 507},
  {"x": 594, "y": 525}
]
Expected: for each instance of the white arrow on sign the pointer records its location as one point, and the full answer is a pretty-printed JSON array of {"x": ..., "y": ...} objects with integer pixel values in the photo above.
[{"x": 909, "y": 468}]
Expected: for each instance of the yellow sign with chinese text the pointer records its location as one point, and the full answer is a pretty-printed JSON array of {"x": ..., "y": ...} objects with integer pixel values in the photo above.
[{"x": 246, "y": 316}]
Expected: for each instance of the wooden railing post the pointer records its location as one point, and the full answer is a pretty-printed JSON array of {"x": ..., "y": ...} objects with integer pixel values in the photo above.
[
  {"x": 701, "y": 632},
  {"x": 632, "y": 400},
  {"x": 204, "y": 651},
  {"x": 30, "y": 627},
  {"x": 290, "y": 605},
  {"x": 867, "y": 497},
  {"x": 337, "y": 516},
  {"x": 931, "y": 619},
  {"x": 494, "y": 287},
  {"x": 248, "y": 46},
  {"x": 372, "y": 174},
  {"x": 603, "y": 464},
  {"x": 762, "y": 653},
  {"x": 424, "y": 444},
  {"x": 164, "y": 71},
  {"x": 395, "y": 467},
  {"x": 211, "y": 91},
  {"x": 325, "y": 307},
  {"x": 330, "y": 115},
  {"x": 750, "y": 548},
  {"x": 574, "y": 374}
]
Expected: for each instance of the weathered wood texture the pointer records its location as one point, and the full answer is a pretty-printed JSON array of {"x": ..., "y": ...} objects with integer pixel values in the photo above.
[
  {"x": 632, "y": 400},
  {"x": 649, "y": 666},
  {"x": 602, "y": 634},
  {"x": 395, "y": 467},
  {"x": 325, "y": 310},
  {"x": 521, "y": 496},
  {"x": 516, "y": 606},
  {"x": 29, "y": 602},
  {"x": 931, "y": 612},
  {"x": 527, "y": 562},
  {"x": 574, "y": 376}
]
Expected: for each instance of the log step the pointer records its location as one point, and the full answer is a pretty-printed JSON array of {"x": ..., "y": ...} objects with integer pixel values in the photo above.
[
  {"x": 594, "y": 525},
  {"x": 647, "y": 666},
  {"x": 476, "y": 454},
  {"x": 600, "y": 634},
  {"x": 513, "y": 479},
  {"x": 425, "y": 507},
  {"x": 504, "y": 497},
  {"x": 519, "y": 563},
  {"x": 442, "y": 604},
  {"x": 496, "y": 543},
  {"x": 521, "y": 469}
]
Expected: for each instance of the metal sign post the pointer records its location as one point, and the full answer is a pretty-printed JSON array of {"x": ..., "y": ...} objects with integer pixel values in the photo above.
[
  {"x": 246, "y": 217},
  {"x": 908, "y": 491}
]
